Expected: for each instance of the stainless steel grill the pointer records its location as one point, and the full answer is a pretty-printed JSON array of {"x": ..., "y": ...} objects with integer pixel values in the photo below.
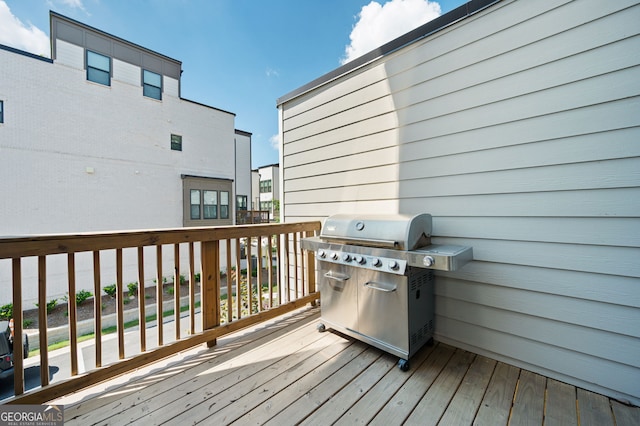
[{"x": 375, "y": 276}]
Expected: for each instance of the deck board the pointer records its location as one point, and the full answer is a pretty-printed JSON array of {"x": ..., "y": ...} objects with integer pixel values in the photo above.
[
  {"x": 498, "y": 398},
  {"x": 466, "y": 401},
  {"x": 560, "y": 404},
  {"x": 433, "y": 404},
  {"x": 594, "y": 409},
  {"x": 625, "y": 415},
  {"x": 284, "y": 372},
  {"x": 528, "y": 403},
  {"x": 369, "y": 404}
]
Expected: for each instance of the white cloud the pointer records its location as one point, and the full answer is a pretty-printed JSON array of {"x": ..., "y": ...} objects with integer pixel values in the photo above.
[
  {"x": 378, "y": 24},
  {"x": 275, "y": 142},
  {"x": 21, "y": 36},
  {"x": 270, "y": 72},
  {"x": 74, "y": 3}
]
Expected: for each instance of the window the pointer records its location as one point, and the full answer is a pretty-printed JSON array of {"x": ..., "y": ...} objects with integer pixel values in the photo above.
[
  {"x": 98, "y": 68},
  {"x": 176, "y": 142},
  {"x": 207, "y": 201},
  {"x": 265, "y": 186},
  {"x": 1, "y": 111},
  {"x": 265, "y": 205},
  {"x": 151, "y": 85},
  {"x": 241, "y": 202},
  {"x": 195, "y": 204},
  {"x": 210, "y": 204},
  {"x": 224, "y": 205}
]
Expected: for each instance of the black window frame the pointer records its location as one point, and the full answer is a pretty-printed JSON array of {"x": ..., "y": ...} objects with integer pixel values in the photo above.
[
  {"x": 93, "y": 70},
  {"x": 1, "y": 112},
  {"x": 176, "y": 142},
  {"x": 242, "y": 202}
]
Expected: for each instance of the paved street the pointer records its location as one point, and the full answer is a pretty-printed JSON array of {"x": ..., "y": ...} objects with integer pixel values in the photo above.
[{"x": 60, "y": 361}]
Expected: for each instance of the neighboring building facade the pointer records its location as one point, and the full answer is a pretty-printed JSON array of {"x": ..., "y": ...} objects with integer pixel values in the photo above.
[
  {"x": 516, "y": 124},
  {"x": 98, "y": 138},
  {"x": 266, "y": 189}
]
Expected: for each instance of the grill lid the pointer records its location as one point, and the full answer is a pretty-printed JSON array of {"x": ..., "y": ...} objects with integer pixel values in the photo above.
[{"x": 399, "y": 231}]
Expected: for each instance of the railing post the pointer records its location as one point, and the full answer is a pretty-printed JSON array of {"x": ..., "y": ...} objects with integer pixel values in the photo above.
[
  {"x": 18, "y": 364},
  {"x": 311, "y": 271},
  {"x": 210, "y": 286}
]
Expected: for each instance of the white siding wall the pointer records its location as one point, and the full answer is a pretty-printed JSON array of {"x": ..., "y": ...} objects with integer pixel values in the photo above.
[
  {"x": 518, "y": 129},
  {"x": 69, "y": 54},
  {"x": 127, "y": 73},
  {"x": 76, "y": 156}
]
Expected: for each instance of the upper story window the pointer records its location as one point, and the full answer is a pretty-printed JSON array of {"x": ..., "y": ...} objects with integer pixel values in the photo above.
[
  {"x": 151, "y": 85},
  {"x": 98, "y": 68},
  {"x": 176, "y": 142},
  {"x": 265, "y": 186},
  {"x": 1, "y": 112}
]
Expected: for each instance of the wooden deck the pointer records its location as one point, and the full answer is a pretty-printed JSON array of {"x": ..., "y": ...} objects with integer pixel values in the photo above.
[{"x": 285, "y": 372}]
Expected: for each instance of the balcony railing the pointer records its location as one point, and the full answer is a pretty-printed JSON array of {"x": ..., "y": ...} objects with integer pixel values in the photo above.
[
  {"x": 290, "y": 284},
  {"x": 244, "y": 217}
]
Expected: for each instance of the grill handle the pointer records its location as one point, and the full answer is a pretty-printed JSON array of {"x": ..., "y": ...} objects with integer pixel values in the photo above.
[
  {"x": 387, "y": 288},
  {"x": 338, "y": 277},
  {"x": 363, "y": 242}
]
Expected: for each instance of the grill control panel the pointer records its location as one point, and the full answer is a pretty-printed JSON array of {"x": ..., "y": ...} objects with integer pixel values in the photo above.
[{"x": 377, "y": 263}]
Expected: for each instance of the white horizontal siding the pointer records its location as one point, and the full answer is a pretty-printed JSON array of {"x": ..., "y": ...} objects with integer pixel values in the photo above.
[
  {"x": 609, "y": 231},
  {"x": 618, "y": 290},
  {"x": 171, "y": 86},
  {"x": 534, "y": 325},
  {"x": 127, "y": 73},
  {"x": 69, "y": 54},
  {"x": 518, "y": 130}
]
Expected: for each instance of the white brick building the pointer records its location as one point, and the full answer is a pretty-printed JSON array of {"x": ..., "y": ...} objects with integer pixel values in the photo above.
[{"x": 98, "y": 138}]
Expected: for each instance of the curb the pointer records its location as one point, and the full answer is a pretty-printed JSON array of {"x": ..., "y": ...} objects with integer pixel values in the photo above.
[{"x": 58, "y": 334}]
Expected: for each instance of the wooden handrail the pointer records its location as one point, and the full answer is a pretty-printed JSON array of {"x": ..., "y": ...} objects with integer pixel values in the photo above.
[{"x": 211, "y": 241}]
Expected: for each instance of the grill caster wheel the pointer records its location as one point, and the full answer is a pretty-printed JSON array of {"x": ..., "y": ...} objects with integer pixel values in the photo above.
[
  {"x": 403, "y": 365},
  {"x": 321, "y": 328}
]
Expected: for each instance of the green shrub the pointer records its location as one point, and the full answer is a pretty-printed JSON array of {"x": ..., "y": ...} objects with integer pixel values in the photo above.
[
  {"x": 133, "y": 288},
  {"x": 6, "y": 311},
  {"x": 183, "y": 280},
  {"x": 110, "y": 290},
  {"x": 82, "y": 295},
  {"x": 51, "y": 305},
  {"x": 197, "y": 277}
]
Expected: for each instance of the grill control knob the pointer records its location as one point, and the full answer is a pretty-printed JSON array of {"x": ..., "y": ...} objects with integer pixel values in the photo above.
[
  {"x": 334, "y": 256},
  {"x": 346, "y": 257},
  {"x": 393, "y": 265},
  {"x": 322, "y": 254},
  {"x": 376, "y": 262},
  {"x": 428, "y": 261},
  {"x": 360, "y": 260}
]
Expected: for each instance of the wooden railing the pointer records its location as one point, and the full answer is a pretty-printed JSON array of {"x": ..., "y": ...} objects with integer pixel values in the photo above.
[{"x": 290, "y": 284}]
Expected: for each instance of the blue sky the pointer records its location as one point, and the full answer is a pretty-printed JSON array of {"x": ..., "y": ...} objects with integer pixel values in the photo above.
[{"x": 237, "y": 55}]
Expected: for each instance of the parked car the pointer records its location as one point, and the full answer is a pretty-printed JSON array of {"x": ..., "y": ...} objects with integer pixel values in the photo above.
[{"x": 6, "y": 348}]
